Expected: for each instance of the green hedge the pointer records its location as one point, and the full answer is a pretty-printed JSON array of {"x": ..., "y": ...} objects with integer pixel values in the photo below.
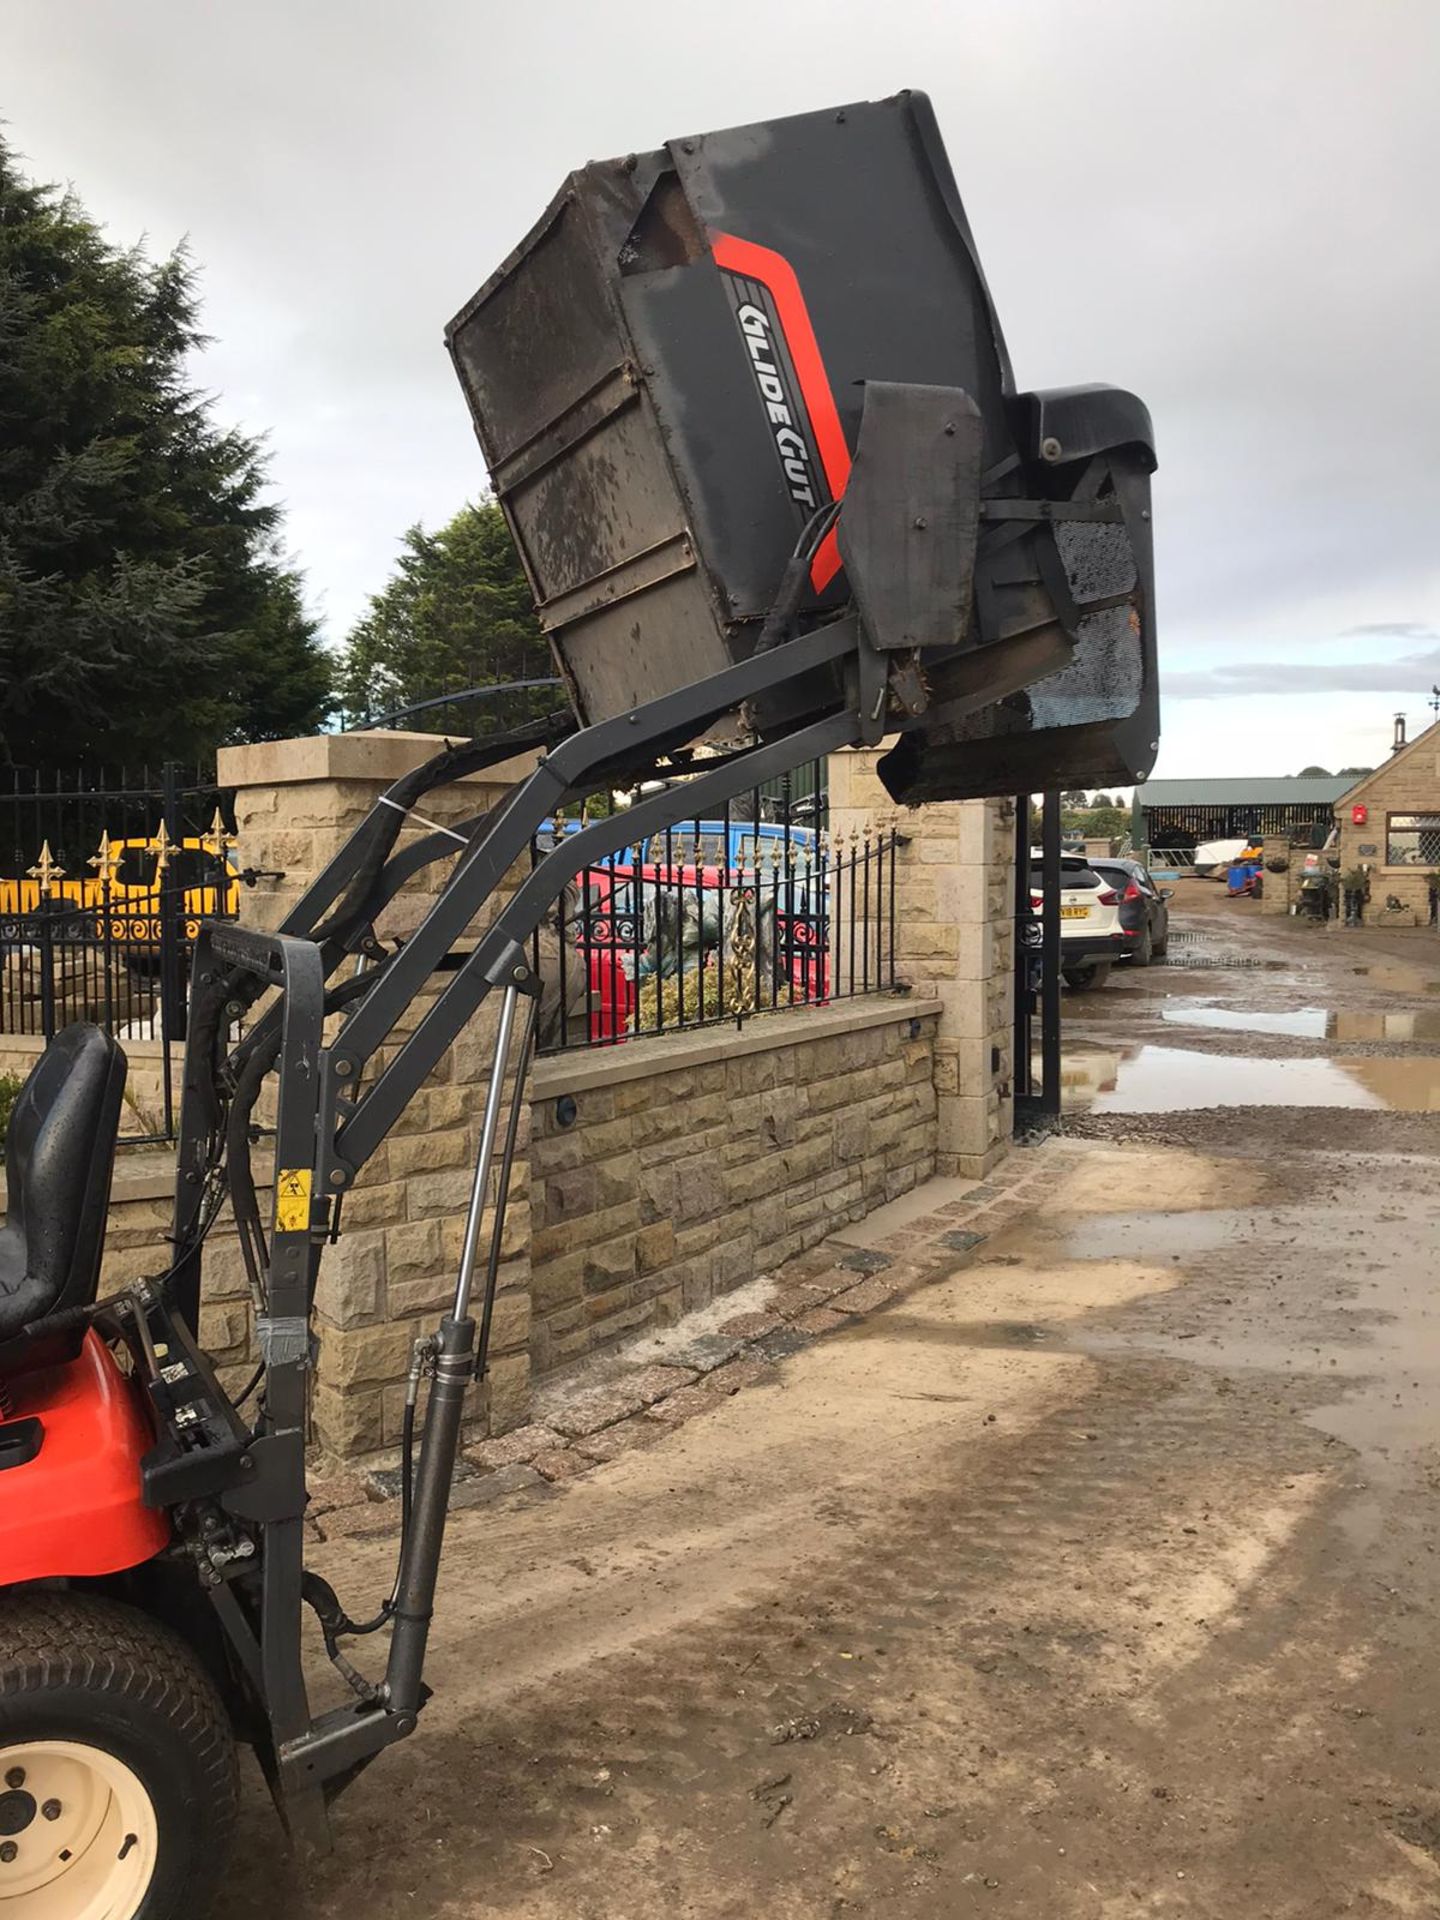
[{"x": 10, "y": 1085}]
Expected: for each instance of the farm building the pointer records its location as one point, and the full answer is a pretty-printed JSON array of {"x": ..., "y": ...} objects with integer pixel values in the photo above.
[
  {"x": 1176, "y": 816},
  {"x": 1390, "y": 822}
]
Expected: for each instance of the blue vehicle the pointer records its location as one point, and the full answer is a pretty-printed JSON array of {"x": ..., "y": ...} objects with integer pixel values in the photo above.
[{"x": 739, "y": 845}]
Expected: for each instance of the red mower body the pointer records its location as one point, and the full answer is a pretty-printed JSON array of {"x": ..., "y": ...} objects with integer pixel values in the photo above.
[{"x": 72, "y": 1508}]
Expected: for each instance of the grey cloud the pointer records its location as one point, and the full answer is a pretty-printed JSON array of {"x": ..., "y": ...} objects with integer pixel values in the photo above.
[
  {"x": 1413, "y": 673},
  {"x": 1249, "y": 241},
  {"x": 1390, "y": 630}
]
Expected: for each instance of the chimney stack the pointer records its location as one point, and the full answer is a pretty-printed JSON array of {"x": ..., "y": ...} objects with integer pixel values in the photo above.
[{"x": 1399, "y": 739}]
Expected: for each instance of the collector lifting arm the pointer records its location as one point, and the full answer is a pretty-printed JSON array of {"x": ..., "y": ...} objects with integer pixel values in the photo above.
[{"x": 501, "y": 952}]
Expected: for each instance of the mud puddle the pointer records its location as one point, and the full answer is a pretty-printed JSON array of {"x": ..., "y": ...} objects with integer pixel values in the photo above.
[
  {"x": 1160, "y": 1079},
  {"x": 1012, "y": 1335},
  {"x": 1175, "y": 1235},
  {"x": 1308, "y": 1023},
  {"x": 1395, "y": 977},
  {"x": 1376, "y": 1336}
]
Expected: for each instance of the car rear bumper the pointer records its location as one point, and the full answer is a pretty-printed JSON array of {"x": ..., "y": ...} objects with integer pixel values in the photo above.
[{"x": 1095, "y": 946}]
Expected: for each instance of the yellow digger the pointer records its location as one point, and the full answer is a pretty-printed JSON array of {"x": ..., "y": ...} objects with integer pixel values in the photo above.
[{"x": 131, "y": 883}]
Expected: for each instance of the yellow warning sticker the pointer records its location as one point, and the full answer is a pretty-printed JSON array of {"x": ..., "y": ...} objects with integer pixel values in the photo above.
[{"x": 292, "y": 1200}]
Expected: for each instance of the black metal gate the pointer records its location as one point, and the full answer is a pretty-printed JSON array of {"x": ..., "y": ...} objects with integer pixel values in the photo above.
[
  {"x": 1037, "y": 965},
  {"x": 103, "y": 881}
]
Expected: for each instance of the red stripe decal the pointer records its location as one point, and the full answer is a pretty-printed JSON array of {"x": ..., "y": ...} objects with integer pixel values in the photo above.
[{"x": 774, "y": 271}]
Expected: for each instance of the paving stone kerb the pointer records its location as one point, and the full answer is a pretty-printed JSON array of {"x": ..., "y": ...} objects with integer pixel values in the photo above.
[
  {"x": 693, "y": 1163},
  {"x": 577, "y": 1428}
]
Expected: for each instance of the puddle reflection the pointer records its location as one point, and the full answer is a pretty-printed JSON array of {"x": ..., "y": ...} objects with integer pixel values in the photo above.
[
  {"x": 1157, "y": 1079},
  {"x": 1311, "y": 1023}
]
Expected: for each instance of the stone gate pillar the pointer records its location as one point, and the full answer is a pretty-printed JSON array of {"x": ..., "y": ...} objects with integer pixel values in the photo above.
[
  {"x": 394, "y": 1266},
  {"x": 954, "y": 938}
]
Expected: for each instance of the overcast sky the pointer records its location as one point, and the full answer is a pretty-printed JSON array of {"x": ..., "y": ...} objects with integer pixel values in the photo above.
[{"x": 1228, "y": 205}]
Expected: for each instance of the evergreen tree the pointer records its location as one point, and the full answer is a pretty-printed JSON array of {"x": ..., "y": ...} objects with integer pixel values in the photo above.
[
  {"x": 457, "y": 614},
  {"x": 146, "y": 611}
]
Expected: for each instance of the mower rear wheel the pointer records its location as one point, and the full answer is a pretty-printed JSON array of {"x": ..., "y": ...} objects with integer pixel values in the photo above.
[{"x": 117, "y": 1765}]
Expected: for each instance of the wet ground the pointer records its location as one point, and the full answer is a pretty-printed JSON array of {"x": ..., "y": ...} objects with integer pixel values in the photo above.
[
  {"x": 1253, "y": 1011},
  {"x": 1096, "y": 1578}
]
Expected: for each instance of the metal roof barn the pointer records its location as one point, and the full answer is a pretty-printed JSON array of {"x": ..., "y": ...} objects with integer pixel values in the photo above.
[{"x": 1183, "y": 814}]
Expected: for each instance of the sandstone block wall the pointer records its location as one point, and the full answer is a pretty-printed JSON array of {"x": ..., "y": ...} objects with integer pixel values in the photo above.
[
  {"x": 1282, "y": 890},
  {"x": 143, "y": 1113},
  {"x": 136, "y": 1244},
  {"x": 691, "y": 1165}
]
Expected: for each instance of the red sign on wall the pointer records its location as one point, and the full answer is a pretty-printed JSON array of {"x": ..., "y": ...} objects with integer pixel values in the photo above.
[{"x": 1359, "y": 814}]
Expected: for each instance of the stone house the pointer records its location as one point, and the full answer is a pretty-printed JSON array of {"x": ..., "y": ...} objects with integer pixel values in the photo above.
[{"x": 1389, "y": 821}]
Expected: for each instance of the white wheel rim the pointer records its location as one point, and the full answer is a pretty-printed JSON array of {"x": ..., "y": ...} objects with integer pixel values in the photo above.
[{"x": 83, "y": 1831}]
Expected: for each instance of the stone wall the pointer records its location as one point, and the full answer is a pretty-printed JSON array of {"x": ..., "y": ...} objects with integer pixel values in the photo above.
[
  {"x": 667, "y": 1172},
  {"x": 143, "y": 1112},
  {"x": 1282, "y": 890},
  {"x": 141, "y": 1197}
]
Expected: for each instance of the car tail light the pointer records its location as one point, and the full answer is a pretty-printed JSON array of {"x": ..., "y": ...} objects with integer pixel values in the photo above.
[
  {"x": 1107, "y": 897},
  {"x": 1132, "y": 892}
]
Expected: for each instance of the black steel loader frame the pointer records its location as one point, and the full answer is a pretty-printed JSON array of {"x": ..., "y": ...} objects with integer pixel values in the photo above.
[
  {"x": 236, "y": 1488},
  {"x": 326, "y": 1128}
]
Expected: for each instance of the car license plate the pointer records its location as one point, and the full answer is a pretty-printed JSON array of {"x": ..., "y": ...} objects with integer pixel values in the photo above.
[{"x": 1074, "y": 913}]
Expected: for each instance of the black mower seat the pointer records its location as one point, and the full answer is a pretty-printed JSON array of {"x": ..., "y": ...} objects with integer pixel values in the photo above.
[{"x": 59, "y": 1154}]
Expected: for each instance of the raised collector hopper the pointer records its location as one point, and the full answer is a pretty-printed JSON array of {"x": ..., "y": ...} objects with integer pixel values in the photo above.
[{"x": 668, "y": 378}]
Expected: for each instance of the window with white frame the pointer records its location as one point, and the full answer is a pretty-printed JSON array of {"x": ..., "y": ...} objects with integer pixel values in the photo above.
[{"x": 1412, "y": 840}]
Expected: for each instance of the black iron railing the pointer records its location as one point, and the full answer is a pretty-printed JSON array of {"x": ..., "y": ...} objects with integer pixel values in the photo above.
[
  {"x": 104, "y": 879},
  {"x": 459, "y": 708},
  {"x": 715, "y": 920}
]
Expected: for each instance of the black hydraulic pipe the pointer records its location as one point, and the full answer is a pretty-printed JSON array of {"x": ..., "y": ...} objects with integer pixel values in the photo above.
[
  {"x": 361, "y": 857},
  {"x": 395, "y": 989},
  {"x": 577, "y": 765}
]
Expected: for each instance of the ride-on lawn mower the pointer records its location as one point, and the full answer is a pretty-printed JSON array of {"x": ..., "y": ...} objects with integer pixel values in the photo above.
[{"x": 748, "y": 408}]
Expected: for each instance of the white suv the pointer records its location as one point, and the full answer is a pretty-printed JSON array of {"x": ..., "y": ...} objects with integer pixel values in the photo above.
[{"x": 1091, "y": 937}]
